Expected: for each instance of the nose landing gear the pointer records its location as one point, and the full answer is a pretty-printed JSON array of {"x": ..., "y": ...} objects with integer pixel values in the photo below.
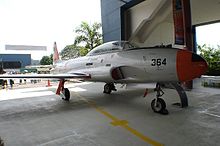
[{"x": 158, "y": 105}]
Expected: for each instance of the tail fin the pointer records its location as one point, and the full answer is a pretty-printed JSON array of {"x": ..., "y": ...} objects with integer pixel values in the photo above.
[{"x": 55, "y": 54}]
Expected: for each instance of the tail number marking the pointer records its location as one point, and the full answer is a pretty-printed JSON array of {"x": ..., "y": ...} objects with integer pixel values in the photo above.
[{"x": 158, "y": 62}]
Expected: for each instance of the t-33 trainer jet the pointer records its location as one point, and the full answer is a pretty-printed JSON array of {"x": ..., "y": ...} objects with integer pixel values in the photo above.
[{"x": 121, "y": 62}]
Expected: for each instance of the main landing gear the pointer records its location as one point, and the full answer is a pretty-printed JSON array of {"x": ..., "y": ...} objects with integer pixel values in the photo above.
[
  {"x": 158, "y": 105},
  {"x": 109, "y": 87},
  {"x": 66, "y": 94},
  {"x": 64, "y": 91}
]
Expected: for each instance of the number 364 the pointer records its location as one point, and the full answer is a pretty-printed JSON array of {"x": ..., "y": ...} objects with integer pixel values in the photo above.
[{"x": 158, "y": 62}]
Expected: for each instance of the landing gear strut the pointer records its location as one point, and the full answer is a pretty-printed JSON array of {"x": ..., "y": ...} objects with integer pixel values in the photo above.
[
  {"x": 109, "y": 87},
  {"x": 158, "y": 105},
  {"x": 64, "y": 91}
]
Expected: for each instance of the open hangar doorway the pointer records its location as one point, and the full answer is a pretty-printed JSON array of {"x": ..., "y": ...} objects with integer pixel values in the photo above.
[
  {"x": 207, "y": 44},
  {"x": 207, "y": 34}
]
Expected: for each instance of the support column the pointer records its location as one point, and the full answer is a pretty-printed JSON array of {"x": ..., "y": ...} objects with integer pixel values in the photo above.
[
  {"x": 188, "y": 36},
  {"x": 183, "y": 28}
]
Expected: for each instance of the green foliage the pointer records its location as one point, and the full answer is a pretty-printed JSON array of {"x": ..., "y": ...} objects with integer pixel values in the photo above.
[
  {"x": 212, "y": 56},
  {"x": 46, "y": 60},
  {"x": 70, "y": 51},
  {"x": 87, "y": 38},
  {"x": 83, "y": 51}
]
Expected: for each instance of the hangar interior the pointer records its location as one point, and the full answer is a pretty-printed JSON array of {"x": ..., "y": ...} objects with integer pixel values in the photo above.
[{"x": 150, "y": 22}]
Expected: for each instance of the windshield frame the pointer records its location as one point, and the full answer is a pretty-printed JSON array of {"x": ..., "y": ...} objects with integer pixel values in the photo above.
[{"x": 111, "y": 47}]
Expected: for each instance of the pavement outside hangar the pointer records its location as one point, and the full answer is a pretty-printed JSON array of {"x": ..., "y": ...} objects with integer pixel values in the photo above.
[{"x": 36, "y": 116}]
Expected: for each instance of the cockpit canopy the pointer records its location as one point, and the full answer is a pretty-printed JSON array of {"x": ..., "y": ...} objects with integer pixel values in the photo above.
[{"x": 110, "y": 47}]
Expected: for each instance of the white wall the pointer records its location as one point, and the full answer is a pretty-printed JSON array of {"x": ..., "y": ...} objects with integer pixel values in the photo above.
[
  {"x": 162, "y": 34},
  {"x": 145, "y": 10},
  {"x": 204, "y": 11}
]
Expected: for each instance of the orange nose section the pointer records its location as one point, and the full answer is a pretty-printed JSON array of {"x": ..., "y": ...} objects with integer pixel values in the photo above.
[{"x": 189, "y": 65}]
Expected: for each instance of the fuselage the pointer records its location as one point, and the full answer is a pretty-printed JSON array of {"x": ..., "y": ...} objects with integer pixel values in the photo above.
[{"x": 136, "y": 65}]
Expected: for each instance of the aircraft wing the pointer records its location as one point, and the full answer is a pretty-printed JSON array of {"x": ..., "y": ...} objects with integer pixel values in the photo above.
[{"x": 47, "y": 76}]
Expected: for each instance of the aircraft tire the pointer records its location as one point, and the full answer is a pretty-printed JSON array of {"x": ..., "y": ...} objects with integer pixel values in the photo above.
[
  {"x": 107, "y": 88},
  {"x": 66, "y": 94},
  {"x": 160, "y": 106}
]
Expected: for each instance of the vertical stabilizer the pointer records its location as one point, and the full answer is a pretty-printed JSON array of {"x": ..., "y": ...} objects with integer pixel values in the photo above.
[{"x": 55, "y": 54}]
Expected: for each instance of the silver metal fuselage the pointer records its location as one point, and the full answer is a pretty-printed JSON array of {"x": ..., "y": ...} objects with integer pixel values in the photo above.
[{"x": 140, "y": 65}]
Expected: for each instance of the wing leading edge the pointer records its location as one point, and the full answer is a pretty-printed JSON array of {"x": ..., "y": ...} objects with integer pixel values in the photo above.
[{"x": 48, "y": 76}]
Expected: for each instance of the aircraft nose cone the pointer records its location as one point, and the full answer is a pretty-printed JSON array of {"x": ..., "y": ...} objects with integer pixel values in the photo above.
[{"x": 190, "y": 65}]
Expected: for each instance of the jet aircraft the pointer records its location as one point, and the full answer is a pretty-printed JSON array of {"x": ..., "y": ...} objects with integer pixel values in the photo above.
[{"x": 120, "y": 62}]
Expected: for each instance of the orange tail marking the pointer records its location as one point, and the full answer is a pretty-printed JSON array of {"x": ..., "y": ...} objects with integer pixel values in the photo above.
[{"x": 56, "y": 54}]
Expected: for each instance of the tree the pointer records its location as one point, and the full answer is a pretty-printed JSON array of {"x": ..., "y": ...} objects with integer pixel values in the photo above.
[
  {"x": 212, "y": 56},
  {"x": 70, "y": 51},
  {"x": 47, "y": 60},
  {"x": 83, "y": 51},
  {"x": 88, "y": 37}
]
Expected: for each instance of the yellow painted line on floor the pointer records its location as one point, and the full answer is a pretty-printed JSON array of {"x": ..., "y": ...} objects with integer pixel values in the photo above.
[
  {"x": 121, "y": 123},
  {"x": 141, "y": 136}
]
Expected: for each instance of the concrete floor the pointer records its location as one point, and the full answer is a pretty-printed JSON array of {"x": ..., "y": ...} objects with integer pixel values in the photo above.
[{"x": 36, "y": 116}]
